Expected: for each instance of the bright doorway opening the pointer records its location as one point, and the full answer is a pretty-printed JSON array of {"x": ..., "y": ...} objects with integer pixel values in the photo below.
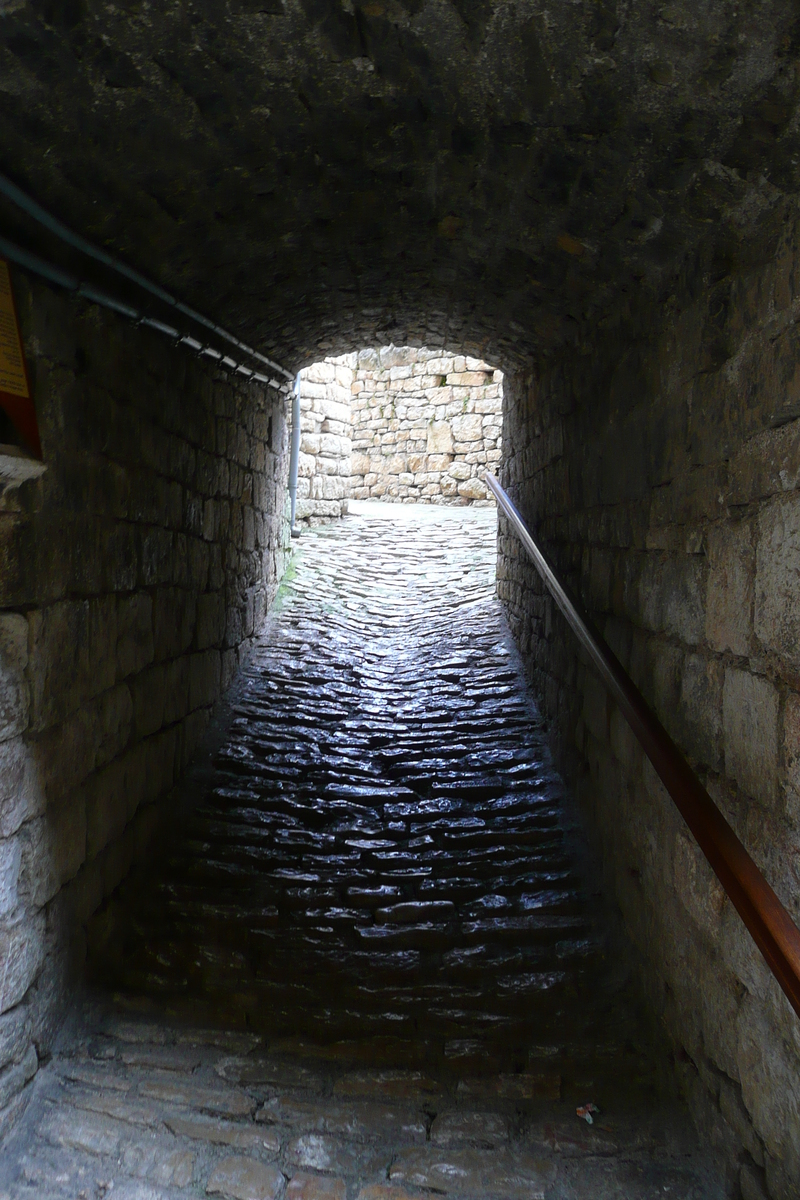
[{"x": 399, "y": 425}]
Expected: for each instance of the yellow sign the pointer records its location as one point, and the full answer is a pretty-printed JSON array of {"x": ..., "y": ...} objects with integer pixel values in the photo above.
[{"x": 13, "y": 380}]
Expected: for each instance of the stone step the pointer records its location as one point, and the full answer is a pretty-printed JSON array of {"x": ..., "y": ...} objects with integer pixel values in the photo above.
[{"x": 377, "y": 885}]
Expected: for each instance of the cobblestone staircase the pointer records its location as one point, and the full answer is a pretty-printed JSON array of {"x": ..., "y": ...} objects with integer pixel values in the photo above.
[{"x": 370, "y": 965}]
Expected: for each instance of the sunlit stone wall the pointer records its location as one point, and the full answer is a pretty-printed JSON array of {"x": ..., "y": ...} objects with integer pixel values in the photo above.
[{"x": 426, "y": 426}]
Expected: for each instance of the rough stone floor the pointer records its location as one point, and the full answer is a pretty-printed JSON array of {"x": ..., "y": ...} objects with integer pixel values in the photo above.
[{"x": 368, "y": 965}]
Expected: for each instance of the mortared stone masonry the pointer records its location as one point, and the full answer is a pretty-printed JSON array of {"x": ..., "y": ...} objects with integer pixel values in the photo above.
[
  {"x": 134, "y": 574},
  {"x": 659, "y": 465}
]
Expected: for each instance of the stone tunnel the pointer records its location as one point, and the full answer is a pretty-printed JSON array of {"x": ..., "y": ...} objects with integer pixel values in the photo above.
[{"x": 328, "y": 866}]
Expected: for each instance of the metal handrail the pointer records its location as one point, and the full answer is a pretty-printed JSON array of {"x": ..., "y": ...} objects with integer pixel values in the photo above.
[{"x": 769, "y": 924}]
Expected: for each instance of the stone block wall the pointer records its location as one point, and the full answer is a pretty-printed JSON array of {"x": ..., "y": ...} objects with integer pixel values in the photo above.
[
  {"x": 426, "y": 426},
  {"x": 397, "y": 424},
  {"x": 323, "y": 475},
  {"x": 134, "y": 575},
  {"x": 659, "y": 463}
]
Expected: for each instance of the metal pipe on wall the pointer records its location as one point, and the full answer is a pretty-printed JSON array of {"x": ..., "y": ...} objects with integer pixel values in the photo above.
[
  {"x": 294, "y": 460},
  {"x": 32, "y": 262},
  {"x": 769, "y": 923},
  {"x": 66, "y": 235}
]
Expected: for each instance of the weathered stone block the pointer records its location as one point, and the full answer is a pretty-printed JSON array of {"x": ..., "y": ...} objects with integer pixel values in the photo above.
[
  {"x": 192, "y": 730},
  {"x": 328, "y": 466},
  {"x": 741, "y": 955},
  {"x": 148, "y": 690},
  {"x": 439, "y": 438},
  {"x": 473, "y": 489},
  {"x": 106, "y": 807},
  {"x": 15, "y": 1034},
  {"x": 305, "y": 464},
  {"x": 210, "y": 522},
  {"x": 750, "y": 720},
  {"x": 55, "y": 849},
  {"x": 595, "y": 707},
  {"x": 721, "y": 999},
  {"x": 791, "y": 741},
  {"x": 733, "y": 1109},
  {"x": 768, "y": 1070},
  {"x": 311, "y": 443},
  {"x": 439, "y": 366},
  {"x": 335, "y": 447},
  {"x": 22, "y": 950},
  {"x": 210, "y": 627},
  {"x": 625, "y": 744},
  {"x": 319, "y": 372},
  {"x": 159, "y": 757},
  {"x": 777, "y": 615},
  {"x": 729, "y": 595},
  {"x": 21, "y": 792},
  {"x": 198, "y": 563},
  {"x": 230, "y": 665},
  {"x": 174, "y": 616},
  {"x": 700, "y": 721},
  {"x": 671, "y": 593},
  {"x": 204, "y": 678},
  {"x": 115, "y": 718},
  {"x": 320, "y": 508},
  {"x": 766, "y": 465},
  {"x": 329, "y": 487},
  {"x": 176, "y": 689},
  {"x": 135, "y": 645},
  {"x": 65, "y": 754},
  {"x": 336, "y": 410},
  {"x": 14, "y": 1079},
  {"x": 156, "y": 557},
  {"x": 752, "y": 1182},
  {"x": 467, "y": 378},
  {"x": 467, "y": 428},
  {"x": 13, "y": 685},
  {"x": 10, "y": 866},
  {"x": 245, "y": 1179},
  {"x": 73, "y": 655},
  {"x": 697, "y": 887}
]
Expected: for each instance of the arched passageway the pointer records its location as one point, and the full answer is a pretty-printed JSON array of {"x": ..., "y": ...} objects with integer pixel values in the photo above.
[
  {"x": 599, "y": 201},
  {"x": 371, "y": 954}
]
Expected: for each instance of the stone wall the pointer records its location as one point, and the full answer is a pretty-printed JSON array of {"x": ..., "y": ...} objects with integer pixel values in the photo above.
[
  {"x": 396, "y": 424},
  {"x": 323, "y": 483},
  {"x": 133, "y": 576},
  {"x": 660, "y": 465},
  {"x": 426, "y": 426}
]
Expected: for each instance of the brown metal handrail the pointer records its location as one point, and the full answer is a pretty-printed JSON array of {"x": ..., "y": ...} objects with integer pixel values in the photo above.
[{"x": 770, "y": 925}]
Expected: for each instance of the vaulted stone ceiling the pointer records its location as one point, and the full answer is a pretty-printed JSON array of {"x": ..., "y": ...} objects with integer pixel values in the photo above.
[{"x": 319, "y": 174}]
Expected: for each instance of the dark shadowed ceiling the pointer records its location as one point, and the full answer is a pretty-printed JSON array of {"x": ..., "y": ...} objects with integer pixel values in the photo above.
[{"x": 319, "y": 174}]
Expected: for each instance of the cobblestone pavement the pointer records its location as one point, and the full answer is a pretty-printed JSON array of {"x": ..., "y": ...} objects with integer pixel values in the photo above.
[{"x": 369, "y": 966}]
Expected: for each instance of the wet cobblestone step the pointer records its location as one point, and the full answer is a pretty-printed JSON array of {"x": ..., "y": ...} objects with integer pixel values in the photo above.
[
  {"x": 368, "y": 967},
  {"x": 387, "y": 747}
]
